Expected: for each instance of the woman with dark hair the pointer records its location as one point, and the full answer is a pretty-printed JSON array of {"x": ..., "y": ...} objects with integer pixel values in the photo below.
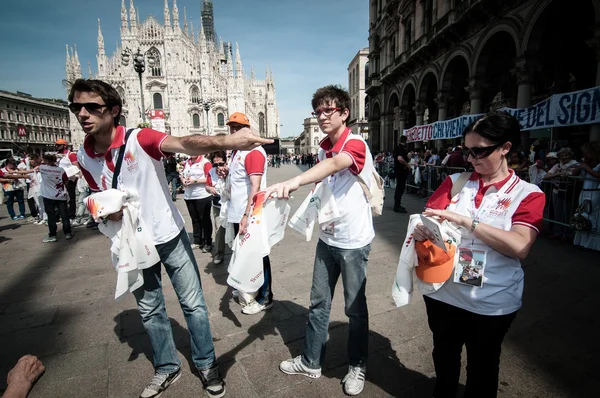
[{"x": 499, "y": 216}]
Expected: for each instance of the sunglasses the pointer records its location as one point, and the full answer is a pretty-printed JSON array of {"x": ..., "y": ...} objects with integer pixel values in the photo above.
[
  {"x": 481, "y": 152},
  {"x": 221, "y": 164},
  {"x": 326, "y": 112},
  {"x": 75, "y": 107}
]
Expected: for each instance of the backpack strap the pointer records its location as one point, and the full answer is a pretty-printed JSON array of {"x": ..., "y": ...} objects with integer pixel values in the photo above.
[
  {"x": 120, "y": 160},
  {"x": 460, "y": 183}
]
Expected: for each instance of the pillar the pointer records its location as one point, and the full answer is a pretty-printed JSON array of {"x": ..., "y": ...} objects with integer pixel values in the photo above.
[
  {"x": 400, "y": 116},
  {"x": 419, "y": 111},
  {"x": 382, "y": 123},
  {"x": 475, "y": 88},
  {"x": 442, "y": 103},
  {"x": 523, "y": 73}
]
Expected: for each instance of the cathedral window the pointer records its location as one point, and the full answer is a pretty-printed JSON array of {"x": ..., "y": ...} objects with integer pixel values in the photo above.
[
  {"x": 156, "y": 69},
  {"x": 158, "y": 102},
  {"x": 121, "y": 94},
  {"x": 122, "y": 121},
  {"x": 195, "y": 95},
  {"x": 196, "y": 120},
  {"x": 261, "y": 123},
  {"x": 221, "y": 120}
]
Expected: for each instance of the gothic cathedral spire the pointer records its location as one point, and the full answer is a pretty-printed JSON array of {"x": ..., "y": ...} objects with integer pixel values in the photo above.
[
  {"x": 124, "y": 21},
  {"x": 175, "y": 16},
  {"x": 167, "y": 14},
  {"x": 132, "y": 18}
]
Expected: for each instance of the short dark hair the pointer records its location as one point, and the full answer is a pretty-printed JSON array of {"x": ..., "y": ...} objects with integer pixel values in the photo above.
[
  {"x": 108, "y": 93},
  {"x": 331, "y": 93},
  {"x": 498, "y": 128},
  {"x": 218, "y": 154},
  {"x": 11, "y": 161},
  {"x": 49, "y": 157},
  {"x": 403, "y": 139},
  {"x": 434, "y": 151}
]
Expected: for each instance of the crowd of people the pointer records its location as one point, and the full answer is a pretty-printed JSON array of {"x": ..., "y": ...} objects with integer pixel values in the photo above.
[{"x": 498, "y": 214}]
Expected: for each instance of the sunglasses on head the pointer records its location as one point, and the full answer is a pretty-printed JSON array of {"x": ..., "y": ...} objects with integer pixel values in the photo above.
[
  {"x": 220, "y": 164},
  {"x": 75, "y": 107},
  {"x": 481, "y": 152}
]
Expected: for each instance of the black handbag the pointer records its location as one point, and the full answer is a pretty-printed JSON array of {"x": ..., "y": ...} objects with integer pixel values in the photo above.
[{"x": 579, "y": 222}]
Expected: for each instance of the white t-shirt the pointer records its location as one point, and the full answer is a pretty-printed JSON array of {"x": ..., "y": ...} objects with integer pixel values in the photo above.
[
  {"x": 195, "y": 171},
  {"x": 54, "y": 180},
  {"x": 243, "y": 164}
]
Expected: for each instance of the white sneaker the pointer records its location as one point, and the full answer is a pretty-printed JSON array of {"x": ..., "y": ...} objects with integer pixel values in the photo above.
[
  {"x": 354, "y": 381},
  {"x": 195, "y": 246},
  {"x": 218, "y": 259},
  {"x": 254, "y": 307},
  {"x": 295, "y": 366}
]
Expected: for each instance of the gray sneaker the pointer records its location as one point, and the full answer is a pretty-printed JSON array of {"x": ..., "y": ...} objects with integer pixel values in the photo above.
[
  {"x": 354, "y": 381},
  {"x": 68, "y": 236},
  {"x": 218, "y": 259},
  {"x": 49, "y": 239},
  {"x": 295, "y": 366},
  {"x": 159, "y": 383},
  {"x": 212, "y": 381}
]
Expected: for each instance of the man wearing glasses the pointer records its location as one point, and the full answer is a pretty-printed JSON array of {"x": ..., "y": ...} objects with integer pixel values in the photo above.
[
  {"x": 97, "y": 106},
  {"x": 343, "y": 246},
  {"x": 247, "y": 176}
]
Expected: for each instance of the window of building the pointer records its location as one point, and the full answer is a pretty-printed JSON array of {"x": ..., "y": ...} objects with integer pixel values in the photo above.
[
  {"x": 195, "y": 95},
  {"x": 157, "y": 99},
  {"x": 316, "y": 129},
  {"x": 26, "y": 118},
  {"x": 156, "y": 69},
  {"x": 427, "y": 15},
  {"x": 121, "y": 92},
  {"x": 393, "y": 49},
  {"x": 2, "y": 115},
  {"x": 221, "y": 120},
  {"x": 407, "y": 34},
  {"x": 196, "y": 120},
  {"x": 18, "y": 117},
  {"x": 261, "y": 123}
]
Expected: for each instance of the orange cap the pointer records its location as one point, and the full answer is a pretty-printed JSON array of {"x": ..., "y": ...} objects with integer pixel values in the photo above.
[
  {"x": 239, "y": 118},
  {"x": 435, "y": 265},
  {"x": 61, "y": 141}
]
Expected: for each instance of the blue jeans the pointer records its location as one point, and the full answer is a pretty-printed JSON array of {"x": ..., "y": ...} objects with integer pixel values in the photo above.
[
  {"x": 329, "y": 263},
  {"x": 18, "y": 196},
  {"x": 180, "y": 264},
  {"x": 173, "y": 179}
]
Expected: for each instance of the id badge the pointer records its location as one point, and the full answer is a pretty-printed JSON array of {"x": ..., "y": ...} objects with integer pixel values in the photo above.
[{"x": 470, "y": 268}]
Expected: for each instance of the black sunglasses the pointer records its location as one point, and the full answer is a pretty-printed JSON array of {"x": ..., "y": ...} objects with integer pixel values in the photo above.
[
  {"x": 75, "y": 107},
  {"x": 218, "y": 164},
  {"x": 481, "y": 152}
]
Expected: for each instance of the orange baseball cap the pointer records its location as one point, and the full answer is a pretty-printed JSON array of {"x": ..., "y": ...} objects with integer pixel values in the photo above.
[
  {"x": 61, "y": 141},
  {"x": 239, "y": 118},
  {"x": 435, "y": 265}
]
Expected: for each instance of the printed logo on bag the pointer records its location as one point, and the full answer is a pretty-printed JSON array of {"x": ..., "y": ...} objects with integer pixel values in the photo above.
[{"x": 256, "y": 277}]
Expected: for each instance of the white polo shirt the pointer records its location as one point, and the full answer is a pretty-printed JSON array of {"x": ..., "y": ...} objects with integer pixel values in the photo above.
[
  {"x": 53, "y": 182},
  {"x": 242, "y": 165},
  {"x": 142, "y": 171},
  {"x": 195, "y": 171},
  {"x": 354, "y": 229},
  {"x": 501, "y": 205}
]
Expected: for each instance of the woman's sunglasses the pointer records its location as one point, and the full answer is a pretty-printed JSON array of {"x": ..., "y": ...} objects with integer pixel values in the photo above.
[
  {"x": 481, "y": 152},
  {"x": 221, "y": 164}
]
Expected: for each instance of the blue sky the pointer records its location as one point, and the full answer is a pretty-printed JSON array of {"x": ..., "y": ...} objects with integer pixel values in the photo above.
[{"x": 309, "y": 42}]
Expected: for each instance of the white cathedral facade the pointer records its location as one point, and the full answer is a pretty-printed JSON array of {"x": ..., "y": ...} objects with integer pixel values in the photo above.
[{"x": 190, "y": 69}]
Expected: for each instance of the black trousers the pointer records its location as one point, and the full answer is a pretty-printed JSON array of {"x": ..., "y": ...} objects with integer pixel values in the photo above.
[
  {"x": 265, "y": 293},
  {"x": 51, "y": 206},
  {"x": 401, "y": 176},
  {"x": 72, "y": 210},
  {"x": 199, "y": 210},
  {"x": 453, "y": 327}
]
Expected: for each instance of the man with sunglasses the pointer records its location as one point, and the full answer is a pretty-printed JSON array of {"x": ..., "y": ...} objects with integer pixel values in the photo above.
[
  {"x": 247, "y": 176},
  {"x": 98, "y": 107},
  {"x": 344, "y": 246}
]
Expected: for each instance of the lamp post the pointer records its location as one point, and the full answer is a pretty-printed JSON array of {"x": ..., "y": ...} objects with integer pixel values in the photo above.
[
  {"x": 207, "y": 104},
  {"x": 139, "y": 65}
]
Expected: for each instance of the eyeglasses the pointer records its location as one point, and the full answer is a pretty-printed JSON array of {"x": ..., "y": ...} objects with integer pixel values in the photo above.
[
  {"x": 481, "y": 152},
  {"x": 221, "y": 164},
  {"x": 75, "y": 107},
  {"x": 327, "y": 112}
]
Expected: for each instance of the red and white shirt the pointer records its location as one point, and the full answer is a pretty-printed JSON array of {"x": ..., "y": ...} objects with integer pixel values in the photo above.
[
  {"x": 142, "y": 172},
  {"x": 196, "y": 171},
  {"x": 67, "y": 159},
  {"x": 354, "y": 229},
  {"x": 503, "y": 204},
  {"x": 242, "y": 165},
  {"x": 54, "y": 182}
]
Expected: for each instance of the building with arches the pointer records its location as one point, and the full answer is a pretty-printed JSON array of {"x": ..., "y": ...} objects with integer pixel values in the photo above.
[
  {"x": 434, "y": 60},
  {"x": 190, "y": 68},
  {"x": 310, "y": 138},
  {"x": 356, "y": 88}
]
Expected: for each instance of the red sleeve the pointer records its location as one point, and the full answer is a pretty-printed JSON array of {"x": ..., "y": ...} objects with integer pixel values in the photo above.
[
  {"x": 73, "y": 157},
  {"x": 255, "y": 163},
  {"x": 89, "y": 179},
  {"x": 441, "y": 197},
  {"x": 357, "y": 150},
  {"x": 1, "y": 173},
  {"x": 150, "y": 141},
  {"x": 209, "y": 180},
  {"x": 207, "y": 167},
  {"x": 531, "y": 211}
]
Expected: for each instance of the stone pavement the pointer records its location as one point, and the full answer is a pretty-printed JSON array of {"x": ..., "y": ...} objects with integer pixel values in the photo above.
[{"x": 56, "y": 301}]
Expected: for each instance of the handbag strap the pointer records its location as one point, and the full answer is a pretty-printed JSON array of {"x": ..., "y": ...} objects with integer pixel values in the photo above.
[
  {"x": 120, "y": 160},
  {"x": 460, "y": 183}
]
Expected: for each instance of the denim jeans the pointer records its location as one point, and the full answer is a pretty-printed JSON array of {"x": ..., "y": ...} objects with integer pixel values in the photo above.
[
  {"x": 56, "y": 208},
  {"x": 180, "y": 264},
  {"x": 16, "y": 195},
  {"x": 330, "y": 262},
  {"x": 173, "y": 178}
]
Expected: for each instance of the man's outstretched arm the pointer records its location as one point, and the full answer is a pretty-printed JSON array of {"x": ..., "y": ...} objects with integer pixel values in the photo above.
[{"x": 195, "y": 145}]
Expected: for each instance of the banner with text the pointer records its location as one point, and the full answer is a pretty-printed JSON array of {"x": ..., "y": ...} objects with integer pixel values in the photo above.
[{"x": 559, "y": 110}]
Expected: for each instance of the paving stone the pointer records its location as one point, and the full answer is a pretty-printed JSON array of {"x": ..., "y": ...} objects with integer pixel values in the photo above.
[{"x": 89, "y": 386}]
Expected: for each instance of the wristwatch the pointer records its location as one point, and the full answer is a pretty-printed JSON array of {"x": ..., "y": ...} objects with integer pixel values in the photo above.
[{"x": 474, "y": 225}]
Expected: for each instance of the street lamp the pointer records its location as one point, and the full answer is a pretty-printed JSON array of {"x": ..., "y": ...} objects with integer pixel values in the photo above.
[
  {"x": 207, "y": 104},
  {"x": 139, "y": 66}
]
